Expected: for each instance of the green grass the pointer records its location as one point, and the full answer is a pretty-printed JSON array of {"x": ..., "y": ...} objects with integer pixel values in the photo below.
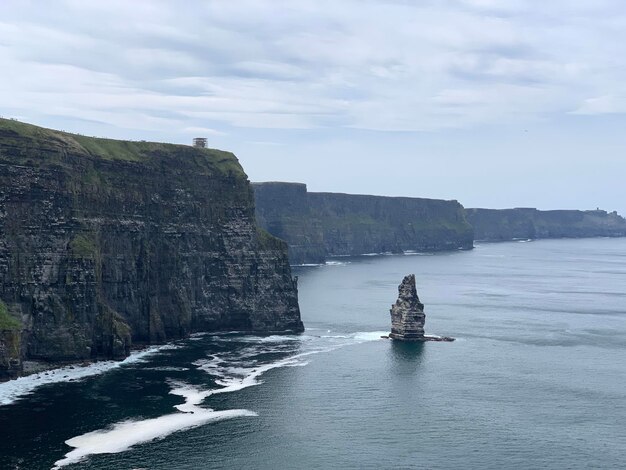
[
  {"x": 7, "y": 322},
  {"x": 82, "y": 246},
  {"x": 268, "y": 241},
  {"x": 27, "y": 136},
  {"x": 110, "y": 149}
]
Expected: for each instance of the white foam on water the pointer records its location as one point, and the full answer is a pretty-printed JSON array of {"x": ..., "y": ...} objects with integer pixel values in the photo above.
[
  {"x": 261, "y": 339},
  {"x": 13, "y": 390},
  {"x": 365, "y": 336},
  {"x": 238, "y": 377},
  {"x": 197, "y": 336},
  {"x": 358, "y": 337},
  {"x": 337, "y": 263},
  {"x": 236, "y": 370},
  {"x": 126, "y": 434},
  {"x": 228, "y": 373},
  {"x": 273, "y": 338}
]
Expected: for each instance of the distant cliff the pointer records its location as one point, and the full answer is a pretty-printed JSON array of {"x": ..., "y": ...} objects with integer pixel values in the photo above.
[
  {"x": 318, "y": 225},
  {"x": 106, "y": 243},
  {"x": 283, "y": 210},
  {"x": 509, "y": 224}
]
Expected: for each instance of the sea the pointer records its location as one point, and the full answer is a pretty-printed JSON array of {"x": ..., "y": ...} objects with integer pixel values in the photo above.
[{"x": 535, "y": 379}]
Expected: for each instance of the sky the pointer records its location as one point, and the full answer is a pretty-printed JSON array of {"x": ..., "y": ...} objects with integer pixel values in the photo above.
[{"x": 495, "y": 103}]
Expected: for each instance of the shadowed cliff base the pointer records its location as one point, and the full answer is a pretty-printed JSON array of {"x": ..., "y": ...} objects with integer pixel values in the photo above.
[{"x": 106, "y": 244}]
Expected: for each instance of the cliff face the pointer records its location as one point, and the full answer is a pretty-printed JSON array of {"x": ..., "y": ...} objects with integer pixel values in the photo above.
[
  {"x": 317, "y": 225},
  {"x": 509, "y": 224},
  {"x": 105, "y": 243},
  {"x": 283, "y": 210},
  {"x": 356, "y": 224}
]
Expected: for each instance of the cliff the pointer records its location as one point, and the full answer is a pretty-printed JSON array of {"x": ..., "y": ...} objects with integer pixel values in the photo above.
[
  {"x": 283, "y": 210},
  {"x": 509, "y": 224},
  {"x": 318, "y": 225},
  {"x": 106, "y": 243}
]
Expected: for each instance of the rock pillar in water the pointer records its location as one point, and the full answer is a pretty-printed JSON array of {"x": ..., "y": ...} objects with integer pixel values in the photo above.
[{"x": 407, "y": 315}]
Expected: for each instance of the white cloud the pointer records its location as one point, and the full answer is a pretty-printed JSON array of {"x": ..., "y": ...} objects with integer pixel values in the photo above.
[
  {"x": 607, "y": 104},
  {"x": 384, "y": 65},
  {"x": 202, "y": 131}
]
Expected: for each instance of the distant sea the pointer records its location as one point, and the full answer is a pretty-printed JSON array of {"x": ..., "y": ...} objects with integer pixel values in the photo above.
[{"x": 535, "y": 379}]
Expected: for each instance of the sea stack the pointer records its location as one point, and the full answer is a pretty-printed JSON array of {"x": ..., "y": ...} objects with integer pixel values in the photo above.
[{"x": 407, "y": 315}]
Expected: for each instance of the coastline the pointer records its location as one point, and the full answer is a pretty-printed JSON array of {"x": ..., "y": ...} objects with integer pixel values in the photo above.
[{"x": 33, "y": 367}]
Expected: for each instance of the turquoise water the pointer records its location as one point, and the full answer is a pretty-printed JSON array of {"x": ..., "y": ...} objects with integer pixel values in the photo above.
[{"x": 536, "y": 378}]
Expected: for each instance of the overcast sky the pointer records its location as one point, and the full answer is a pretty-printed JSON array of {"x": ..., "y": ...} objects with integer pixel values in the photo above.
[{"x": 496, "y": 103}]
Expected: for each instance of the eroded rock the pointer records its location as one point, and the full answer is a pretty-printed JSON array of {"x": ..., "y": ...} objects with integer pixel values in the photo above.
[{"x": 407, "y": 315}]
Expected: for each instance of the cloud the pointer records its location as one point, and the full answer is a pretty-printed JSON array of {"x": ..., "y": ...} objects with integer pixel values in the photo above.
[
  {"x": 202, "y": 131},
  {"x": 607, "y": 104},
  {"x": 382, "y": 65}
]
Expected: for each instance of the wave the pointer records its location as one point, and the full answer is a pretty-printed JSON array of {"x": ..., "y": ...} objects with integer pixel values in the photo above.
[
  {"x": 262, "y": 339},
  {"x": 16, "y": 389},
  {"x": 126, "y": 434},
  {"x": 231, "y": 371},
  {"x": 417, "y": 253},
  {"x": 358, "y": 337},
  {"x": 369, "y": 335}
]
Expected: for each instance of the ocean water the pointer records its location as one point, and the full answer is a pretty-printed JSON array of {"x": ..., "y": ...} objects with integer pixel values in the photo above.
[{"x": 536, "y": 378}]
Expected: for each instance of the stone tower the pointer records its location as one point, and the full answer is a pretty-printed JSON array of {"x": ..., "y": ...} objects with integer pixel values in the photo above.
[{"x": 199, "y": 142}]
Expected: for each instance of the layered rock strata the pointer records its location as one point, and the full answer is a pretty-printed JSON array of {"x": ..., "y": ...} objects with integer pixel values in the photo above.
[
  {"x": 529, "y": 223},
  {"x": 407, "y": 315},
  {"x": 106, "y": 244},
  {"x": 321, "y": 225}
]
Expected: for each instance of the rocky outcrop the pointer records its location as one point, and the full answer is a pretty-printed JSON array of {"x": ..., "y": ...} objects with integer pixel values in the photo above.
[
  {"x": 407, "y": 315},
  {"x": 529, "y": 223},
  {"x": 106, "y": 244},
  {"x": 321, "y": 225}
]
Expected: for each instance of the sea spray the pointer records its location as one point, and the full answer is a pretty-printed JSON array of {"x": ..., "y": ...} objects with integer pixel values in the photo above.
[
  {"x": 227, "y": 371},
  {"x": 13, "y": 390}
]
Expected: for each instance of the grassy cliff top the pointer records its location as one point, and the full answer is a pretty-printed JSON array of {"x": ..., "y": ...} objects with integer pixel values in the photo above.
[{"x": 15, "y": 133}]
